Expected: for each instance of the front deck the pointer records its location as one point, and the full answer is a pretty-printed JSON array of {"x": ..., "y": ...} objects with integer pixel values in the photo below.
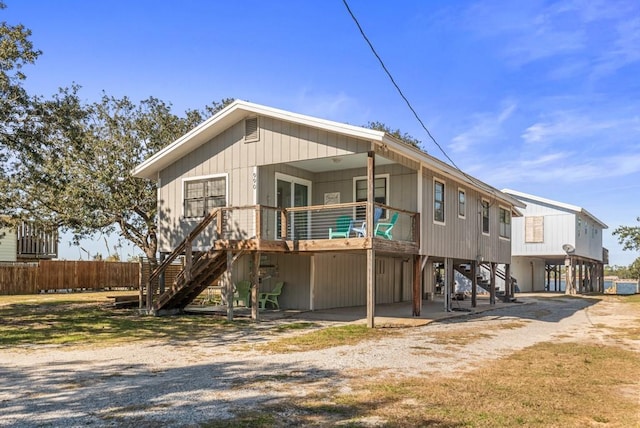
[{"x": 318, "y": 228}]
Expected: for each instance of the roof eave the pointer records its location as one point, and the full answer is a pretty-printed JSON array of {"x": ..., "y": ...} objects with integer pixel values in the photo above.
[{"x": 231, "y": 114}]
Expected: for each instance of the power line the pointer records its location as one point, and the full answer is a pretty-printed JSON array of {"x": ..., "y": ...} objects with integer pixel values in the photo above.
[{"x": 384, "y": 67}]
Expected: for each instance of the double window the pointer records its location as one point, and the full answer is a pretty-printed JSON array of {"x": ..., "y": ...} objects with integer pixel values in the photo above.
[
  {"x": 505, "y": 223},
  {"x": 438, "y": 201},
  {"x": 202, "y": 195}
]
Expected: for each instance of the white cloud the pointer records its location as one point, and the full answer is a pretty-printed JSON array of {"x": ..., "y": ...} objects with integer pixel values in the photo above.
[
  {"x": 574, "y": 33},
  {"x": 625, "y": 49},
  {"x": 565, "y": 125},
  {"x": 485, "y": 127},
  {"x": 561, "y": 168}
]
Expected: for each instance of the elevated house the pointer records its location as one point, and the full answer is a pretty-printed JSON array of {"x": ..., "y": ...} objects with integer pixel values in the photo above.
[
  {"x": 27, "y": 242},
  {"x": 557, "y": 245},
  {"x": 261, "y": 194}
]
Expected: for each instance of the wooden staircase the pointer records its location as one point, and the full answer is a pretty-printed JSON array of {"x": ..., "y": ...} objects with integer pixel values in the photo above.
[
  {"x": 198, "y": 272},
  {"x": 188, "y": 285}
]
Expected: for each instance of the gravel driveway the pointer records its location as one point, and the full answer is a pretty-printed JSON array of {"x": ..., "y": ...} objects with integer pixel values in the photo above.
[{"x": 159, "y": 383}]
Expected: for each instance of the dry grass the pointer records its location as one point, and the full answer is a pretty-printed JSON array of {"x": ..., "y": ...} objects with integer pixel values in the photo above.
[
  {"x": 328, "y": 337},
  {"x": 567, "y": 385},
  {"x": 465, "y": 336}
]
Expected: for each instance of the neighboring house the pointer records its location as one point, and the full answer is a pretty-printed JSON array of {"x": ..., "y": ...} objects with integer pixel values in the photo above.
[
  {"x": 556, "y": 243},
  {"x": 293, "y": 192},
  {"x": 8, "y": 244},
  {"x": 27, "y": 242}
]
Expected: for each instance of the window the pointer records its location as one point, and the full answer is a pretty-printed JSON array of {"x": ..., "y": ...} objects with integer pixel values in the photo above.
[
  {"x": 462, "y": 210},
  {"x": 485, "y": 216},
  {"x": 380, "y": 192},
  {"x": 438, "y": 201},
  {"x": 201, "y": 196},
  {"x": 505, "y": 223},
  {"x": 579, "y": 225}
]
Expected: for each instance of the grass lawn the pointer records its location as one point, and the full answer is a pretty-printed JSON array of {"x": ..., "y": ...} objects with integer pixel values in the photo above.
[{"x": 90, "y": 319}]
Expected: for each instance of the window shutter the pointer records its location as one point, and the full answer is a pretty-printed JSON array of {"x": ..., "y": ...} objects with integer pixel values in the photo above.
[{"x": 534, "y": 229}]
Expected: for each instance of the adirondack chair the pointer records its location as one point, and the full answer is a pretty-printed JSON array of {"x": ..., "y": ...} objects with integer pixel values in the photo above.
[
  {"x": 383, "y": 230},
  {"x": 362, "y": 230},
  {"x": 243, "y": 290},
  {"x": 271, "y": 296},
  {"x": 343, "y": 227}
]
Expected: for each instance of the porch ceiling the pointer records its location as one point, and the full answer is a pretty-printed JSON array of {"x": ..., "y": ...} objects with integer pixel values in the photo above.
[{"x": 336, "y": 163}]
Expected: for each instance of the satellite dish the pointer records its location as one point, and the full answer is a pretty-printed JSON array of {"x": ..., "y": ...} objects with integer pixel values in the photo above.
[{"x": 568, "y": 248}]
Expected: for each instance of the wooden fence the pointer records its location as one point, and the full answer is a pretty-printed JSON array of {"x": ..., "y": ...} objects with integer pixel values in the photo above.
[{"x": 48, "y": 275}]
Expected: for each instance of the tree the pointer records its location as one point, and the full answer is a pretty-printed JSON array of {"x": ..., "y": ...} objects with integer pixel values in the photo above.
[
  {"x": 404, "y": 137},
  {"x": 634, "y": 269},
  {"x": 629, "y": 236},
  {"x": 74, "y": 165},
  {"x": 16, "y": 51}
]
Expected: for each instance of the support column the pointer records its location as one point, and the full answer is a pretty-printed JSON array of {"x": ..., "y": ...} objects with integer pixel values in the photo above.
[
  {"x": 228, "y": 286},
  {"x": 161, "y": 277},
  {"x": 448, "y": 283},
  {"x": 371, "y": 288},
  {"x": 492, "y": 284},
  {"x": 547, "y": 269},
  {"x": 417, "y": 282},
  {"x": 474, "y": 284},
  {"x": 255, "y": 286},
  {"x": 569, "y": 277},
  {"x": 580, "y": 277},
  {"x": 371, "y": 257},
  {"x": 507, "y": 282},
  {"x": 574, "y": 273}
]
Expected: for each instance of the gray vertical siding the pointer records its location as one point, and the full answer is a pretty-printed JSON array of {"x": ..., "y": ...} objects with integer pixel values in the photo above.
[
  {"x": 461, "y": 238},
  {"x": 341, "y": 280},
  {"x": 293, "y": 269}
]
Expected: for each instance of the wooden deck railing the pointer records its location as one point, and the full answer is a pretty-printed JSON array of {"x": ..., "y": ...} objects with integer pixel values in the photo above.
[{"x": 34, "y": 242}]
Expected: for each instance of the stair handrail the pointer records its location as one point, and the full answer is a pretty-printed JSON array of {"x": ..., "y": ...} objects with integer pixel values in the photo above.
[{"x": 183, "y": 245}]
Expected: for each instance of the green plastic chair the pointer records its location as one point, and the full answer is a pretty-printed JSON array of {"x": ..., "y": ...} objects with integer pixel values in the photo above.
[
  {"x": 271, "y": 296},
  {"x": 243, "y": 290},
  {"x": 343, "y": 227},
  {"x": 383, "y": 230}
]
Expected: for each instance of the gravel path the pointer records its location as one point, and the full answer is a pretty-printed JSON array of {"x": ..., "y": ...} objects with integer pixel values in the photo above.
[{"x": 157, "y": 383}]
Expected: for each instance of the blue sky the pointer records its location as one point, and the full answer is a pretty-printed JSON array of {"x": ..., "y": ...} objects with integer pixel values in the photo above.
[{"x": 537, "y": 96}]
